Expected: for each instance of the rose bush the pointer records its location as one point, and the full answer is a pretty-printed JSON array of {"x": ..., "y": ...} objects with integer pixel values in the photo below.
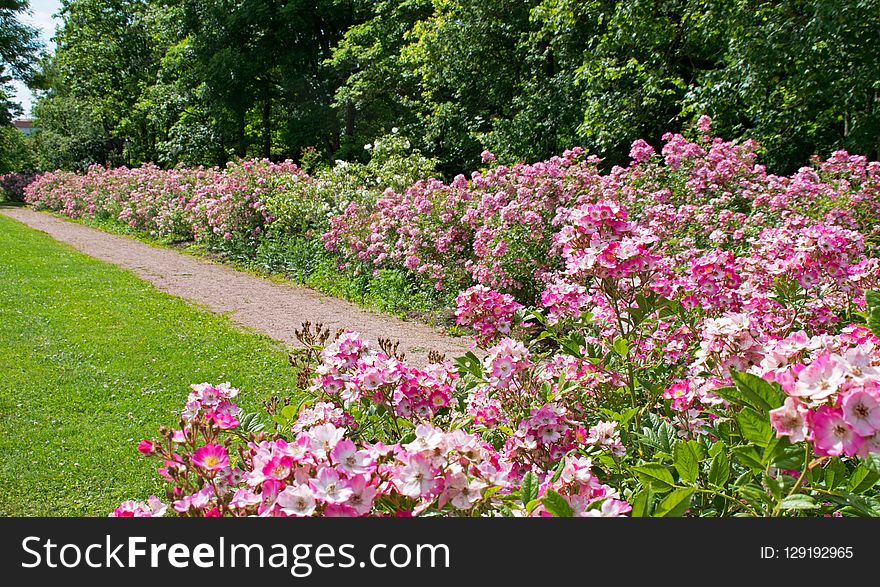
[
  {"x": 688, "y": 334},
  {"x": 12, "y": 185}
]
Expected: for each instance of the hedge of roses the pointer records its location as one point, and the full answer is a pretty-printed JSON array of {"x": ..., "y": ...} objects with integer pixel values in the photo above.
[
  {"x": 12, "y": 185},
  {"x": 687, "y": 335}
]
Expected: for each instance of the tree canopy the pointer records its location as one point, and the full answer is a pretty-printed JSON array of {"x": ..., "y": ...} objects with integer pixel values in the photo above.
[
  {"x": 18, "y": 51},
  {"x": 205, "y": 81}
]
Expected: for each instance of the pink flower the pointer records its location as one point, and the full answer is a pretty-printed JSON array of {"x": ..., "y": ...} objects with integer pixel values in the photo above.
[
  {"x": 244, "y": 498},
  {"x": 610, "y": 508},
  {"x": 146, "y": 447},
  {"x": 211, "y": 457},
  {"x": 861, "y": 410},
  {"x": 153, "y": 508},
  {"x": 792, "y": 419},
  {"x": 224, "y": 421},
  {"x": 641, "y": 151},
  {"x": 278, "y": 468},
  {"x": 681, "y": 395},
  {"x": 329, "y": 487},
  {"x": 324, "y": 439},
  {"x": 297, "y": 501},
  {"x": 351, "y": 460},
  {"x": 362, "y": 496},
  {"x": 832, "y": 435},
  {"x": 820, "y": 379},
  {"x": 418, "y": 478},
  {"x": 704, "y": 124},
  {"x": 464, "y": 492}
]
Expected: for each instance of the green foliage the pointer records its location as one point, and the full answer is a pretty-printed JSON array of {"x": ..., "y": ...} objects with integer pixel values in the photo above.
[
  {"x": 18, "y": 51},
  {"x": 872, "y": 300},
  {"x": 556, "y": 504},
  {"x": 16, "y": 151},
  {"x": 203, "y": 82}
]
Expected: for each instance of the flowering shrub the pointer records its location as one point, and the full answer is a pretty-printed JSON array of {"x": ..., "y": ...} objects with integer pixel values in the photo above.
[
  {"x": 535, "y": 431},
  {"x": 208, "y": 205},
  {"x": 688, "y": 334},
  {"x": 334, "y": 457},
  {"x": 12, "y": 185}
]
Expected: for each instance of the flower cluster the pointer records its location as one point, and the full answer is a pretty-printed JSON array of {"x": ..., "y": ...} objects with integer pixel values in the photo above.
[
  {"x": 322, "y": 470},
  {"x": 211, "y": 205},
  {"x": 563, "y": 299},
  {"x": 350, "y": 370},
  {"x": 598, "y": 240},
  {"x": 489, "y": 312},
  {"x": 833, "y": 398}
]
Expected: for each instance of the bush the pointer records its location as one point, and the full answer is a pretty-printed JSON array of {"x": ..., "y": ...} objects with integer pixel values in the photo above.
[
  {"x": 687, "y": 335},
  {"x": 12, "y": 185}
]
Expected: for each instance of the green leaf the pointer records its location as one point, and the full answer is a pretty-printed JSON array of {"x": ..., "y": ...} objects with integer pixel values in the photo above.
[
  {"x": 790, "y": 457},
  {"x": 861, "y": 506},
  {"x": 556, "y": 504},
  {"x": 687, "y": 461},
  {"x": 872, "y": 300},
  {"x": 662, "y": 436},
  {"x": 874, "y": 321},
  {"x": 558, "y": 473},
  {"x": 862, "y": 479},
  {"x": 755, "y": 495},
  {"x": 675, "y": 504},
  {"x": 754, "y": 427},
  {"x": 799, "y": 502},
  {"x": 732, "y": 395},
  {"x": 760, "y": 394},
  {"x": 469, "y": 364},
  {"x": 719, "y": 470},
  {"x": 835, "y": 473},
  {"x": 529, "y": 488},
  {"x": 748, "y": 456},
  {"x": 289, "y": 412},
  {"x": 641, "y": 503},
  {"x": 872, "y": 462},
  {"x": 626, "y": 416},
  {"x": 776, "y": 485},
  {"x": 656, "y": 476},
  {"x": 620, "y": 346},
  {"x": 572, "y": 344}
]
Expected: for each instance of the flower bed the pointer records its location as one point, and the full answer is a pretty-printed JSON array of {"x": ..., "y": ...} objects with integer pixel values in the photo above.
[{"x": 685, "y": 335}]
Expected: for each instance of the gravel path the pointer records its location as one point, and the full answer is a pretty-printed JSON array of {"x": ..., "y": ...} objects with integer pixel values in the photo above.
[{"x": 272, "y": 308}]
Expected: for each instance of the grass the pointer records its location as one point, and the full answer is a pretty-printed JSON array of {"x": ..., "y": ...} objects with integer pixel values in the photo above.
[{"x": 92, "y": 359}]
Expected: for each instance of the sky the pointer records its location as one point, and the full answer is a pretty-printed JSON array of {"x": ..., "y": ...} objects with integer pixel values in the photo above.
[{"x": 41, "y": 18}]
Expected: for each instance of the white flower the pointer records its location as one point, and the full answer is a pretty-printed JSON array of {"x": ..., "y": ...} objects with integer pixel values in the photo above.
[{"x": 297, "y": 501}]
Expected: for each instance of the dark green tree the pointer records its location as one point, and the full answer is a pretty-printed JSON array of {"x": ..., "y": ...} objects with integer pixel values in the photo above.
[{"x": 19, "y": 46}]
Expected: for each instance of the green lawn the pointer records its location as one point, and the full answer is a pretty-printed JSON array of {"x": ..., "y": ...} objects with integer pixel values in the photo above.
[{"x": 92, "y": 359}]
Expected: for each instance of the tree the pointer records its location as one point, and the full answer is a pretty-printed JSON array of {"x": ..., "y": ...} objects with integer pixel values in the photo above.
[
  {"x": 18, "y": 50},
  {"x": 105, "y": 60},
  {"x": 801, "y": 76},
  {"x": 69, "y": 136}
]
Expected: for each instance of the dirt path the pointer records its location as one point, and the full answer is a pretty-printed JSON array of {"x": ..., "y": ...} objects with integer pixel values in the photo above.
[{"x": 275, "y": 309}]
